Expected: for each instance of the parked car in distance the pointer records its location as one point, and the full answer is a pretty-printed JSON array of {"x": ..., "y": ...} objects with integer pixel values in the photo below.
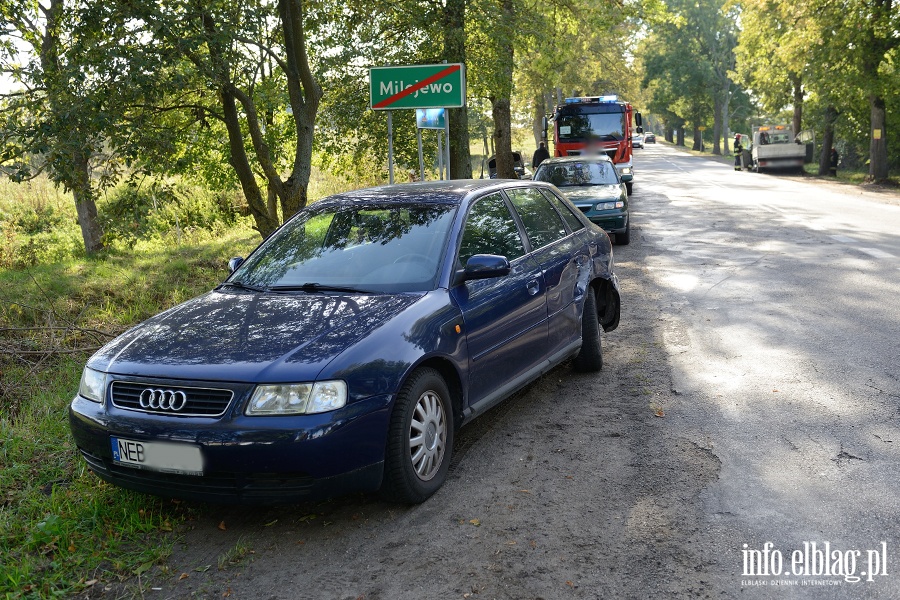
[
  {"x": 522, "y": 171},
  {"x": 649, "y": 138},
  {"x": 637, "y": 140},
  {"x": 593, "y": 185},
  {"x": 346, "y": 351}
]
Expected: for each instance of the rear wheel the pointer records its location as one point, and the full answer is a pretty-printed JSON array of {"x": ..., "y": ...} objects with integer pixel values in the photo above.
[
  {"x": 420, "y": 439},
  {"x": 591, "y": 356}
]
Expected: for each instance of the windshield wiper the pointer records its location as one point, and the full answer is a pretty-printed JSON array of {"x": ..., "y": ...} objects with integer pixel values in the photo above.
[
  {"x": 317, "y": 287},
  {"x": 243, "y": 286}
]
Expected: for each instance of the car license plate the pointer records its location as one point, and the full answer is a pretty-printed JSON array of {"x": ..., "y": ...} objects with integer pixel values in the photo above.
[{"x": 166, "y": 457}]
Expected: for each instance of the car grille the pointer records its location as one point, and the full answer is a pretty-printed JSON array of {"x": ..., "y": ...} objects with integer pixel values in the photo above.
[
  {"x": 201, "y": 402},
  {"x": 585, "y": 209}
]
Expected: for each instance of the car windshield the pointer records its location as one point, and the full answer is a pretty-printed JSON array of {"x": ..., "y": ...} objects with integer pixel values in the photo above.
[
  {"x": 395, "y": 248},
  {"x": 577, "y": 173},
  {"x": 585, "y": 126}
]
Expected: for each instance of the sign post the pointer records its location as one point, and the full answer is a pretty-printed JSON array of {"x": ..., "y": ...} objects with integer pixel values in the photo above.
[
  {"x": 434, "y": 118},
  {"x": 418, "y": 86}
]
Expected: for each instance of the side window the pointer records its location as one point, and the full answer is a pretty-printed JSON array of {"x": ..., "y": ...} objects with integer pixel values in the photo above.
[
  {"x": 542, "y": 223},
  {"x": 568, "y": 216},
  {"x": 490, "y": 229}
]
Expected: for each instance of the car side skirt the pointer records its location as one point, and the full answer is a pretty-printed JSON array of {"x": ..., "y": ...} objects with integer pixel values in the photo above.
[{"x": 513, "y": 386}]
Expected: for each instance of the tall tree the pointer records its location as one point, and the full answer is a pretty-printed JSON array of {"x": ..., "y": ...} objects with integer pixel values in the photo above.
[
  {"x": 54, "y": 122},
  {"x": 454, "y": 30},
  {"x": 838, "y": 51},
  {"x": 253, "y": 57},
  {"x": 679, "y": 75}
]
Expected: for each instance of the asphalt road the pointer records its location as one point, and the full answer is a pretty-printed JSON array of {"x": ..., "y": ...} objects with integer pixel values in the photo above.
[
  {"x": 781, "y": 324},
  {"x": 749, "y": 397}
]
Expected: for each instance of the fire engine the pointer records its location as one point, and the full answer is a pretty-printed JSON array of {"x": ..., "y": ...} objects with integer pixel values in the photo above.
[{"x": 591, "y": 124}]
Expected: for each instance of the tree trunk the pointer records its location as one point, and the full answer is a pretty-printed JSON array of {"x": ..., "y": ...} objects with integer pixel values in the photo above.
[
  {"x": 537, "y": 124},
  {"x": 878, "y": 162},
  {"x": 717, "y": 126},
  {"x": 455, "y": 52},
  {"x": 500, "y": 104},
  {"x": 503, "y": 138},
  {"x": 831, "y": 114},
  {"x": 798, "y": 103},
  {"x": 698, "y": 139},
  {"x": 85, "y": 207},
  {"x": 726, "y": 119},
  {"x": 305, "y": 94},
  {"x": 238, "y": 160},
  {"x": 272, "y": 202}
]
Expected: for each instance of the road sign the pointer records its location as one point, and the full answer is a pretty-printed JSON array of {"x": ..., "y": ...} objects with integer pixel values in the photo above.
[
  {"x": 702, "y": 128},
  {"x": 419, "y": 86},
  {"x": 431, "y": 118}
]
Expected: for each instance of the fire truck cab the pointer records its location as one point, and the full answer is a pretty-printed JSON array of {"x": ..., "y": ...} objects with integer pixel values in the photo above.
[{"x": 597, "y": 124}]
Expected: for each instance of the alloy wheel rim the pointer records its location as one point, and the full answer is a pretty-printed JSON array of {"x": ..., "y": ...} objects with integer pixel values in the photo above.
[{"x": 427, "y": 436}]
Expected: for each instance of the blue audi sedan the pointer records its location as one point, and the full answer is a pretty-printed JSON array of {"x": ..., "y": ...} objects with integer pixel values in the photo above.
[{"x": 346, "y": 351}]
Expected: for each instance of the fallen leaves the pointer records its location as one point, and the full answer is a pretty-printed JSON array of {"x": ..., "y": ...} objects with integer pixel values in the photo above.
[{"x": 222, "y": 526}]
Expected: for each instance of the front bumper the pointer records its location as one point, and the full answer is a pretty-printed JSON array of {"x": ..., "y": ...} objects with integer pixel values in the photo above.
[
  {"x": 246, "y": 460},
  {"x": 612, "y": 221}
]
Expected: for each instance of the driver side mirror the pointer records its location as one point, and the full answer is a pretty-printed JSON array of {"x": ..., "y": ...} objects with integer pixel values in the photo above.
[{"x": 483, "y": 266}]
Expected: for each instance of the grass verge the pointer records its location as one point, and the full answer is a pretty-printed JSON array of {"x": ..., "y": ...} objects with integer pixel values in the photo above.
[{"x": 62, "y": 530}]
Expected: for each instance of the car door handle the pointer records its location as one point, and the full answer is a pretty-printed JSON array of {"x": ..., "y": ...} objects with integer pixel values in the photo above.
[{"x": 533, "y": 287}]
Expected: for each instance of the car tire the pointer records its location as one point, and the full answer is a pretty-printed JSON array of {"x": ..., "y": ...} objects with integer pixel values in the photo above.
[
  {"x": 420, "y": 439},
  {"x": 628, "y": 187},
  {"x": 622, "y": 239},
  {"x": 590, "y": 358}
]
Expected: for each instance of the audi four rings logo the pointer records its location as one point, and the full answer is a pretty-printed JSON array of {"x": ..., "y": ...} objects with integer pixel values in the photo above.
[{"x": 163, "y": 399}]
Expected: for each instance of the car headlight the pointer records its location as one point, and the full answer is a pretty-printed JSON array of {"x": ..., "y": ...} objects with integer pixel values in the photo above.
[
  {"x": 93, "y": 385},
  {"x": 625, "y": 171},
  {"x": 609, "y": 205},
  {"x": 297, "y": 398}
]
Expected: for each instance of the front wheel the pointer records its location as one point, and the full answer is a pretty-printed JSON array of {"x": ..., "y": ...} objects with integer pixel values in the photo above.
[
  {"x": 590, "y": 358},
  {"x": 420, "y": 439},
  {"x": 622, "y": 239},
  {"x": 628, "y": 187}
]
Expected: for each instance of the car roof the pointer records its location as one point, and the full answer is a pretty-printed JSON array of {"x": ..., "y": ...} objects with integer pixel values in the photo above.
[
  {"x": 454, "y": 191},
  {"x": 580, "y": 158}
]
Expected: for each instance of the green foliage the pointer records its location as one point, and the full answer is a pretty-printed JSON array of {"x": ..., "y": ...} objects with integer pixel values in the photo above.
[
  {"x": 157, "y": 208},
  {"x": 845, "y": 54},
  {"x": 38, "y": 224}
]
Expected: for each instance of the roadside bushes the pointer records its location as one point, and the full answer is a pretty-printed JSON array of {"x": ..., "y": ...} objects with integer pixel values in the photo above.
[
  {"x": 38, "y": 224},
  {"x": 165, "y": 211}
]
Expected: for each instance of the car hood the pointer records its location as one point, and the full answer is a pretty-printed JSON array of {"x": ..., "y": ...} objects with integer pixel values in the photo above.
[
  {"x": 242, "y": 336},
  {"x": 592, "y": 193}
]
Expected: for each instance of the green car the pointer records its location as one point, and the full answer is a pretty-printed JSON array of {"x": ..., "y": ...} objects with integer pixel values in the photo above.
[{"x": 593, "y": 184}]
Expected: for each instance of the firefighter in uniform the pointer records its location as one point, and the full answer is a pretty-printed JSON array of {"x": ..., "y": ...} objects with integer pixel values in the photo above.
[{"x": 738, "y": 150}]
